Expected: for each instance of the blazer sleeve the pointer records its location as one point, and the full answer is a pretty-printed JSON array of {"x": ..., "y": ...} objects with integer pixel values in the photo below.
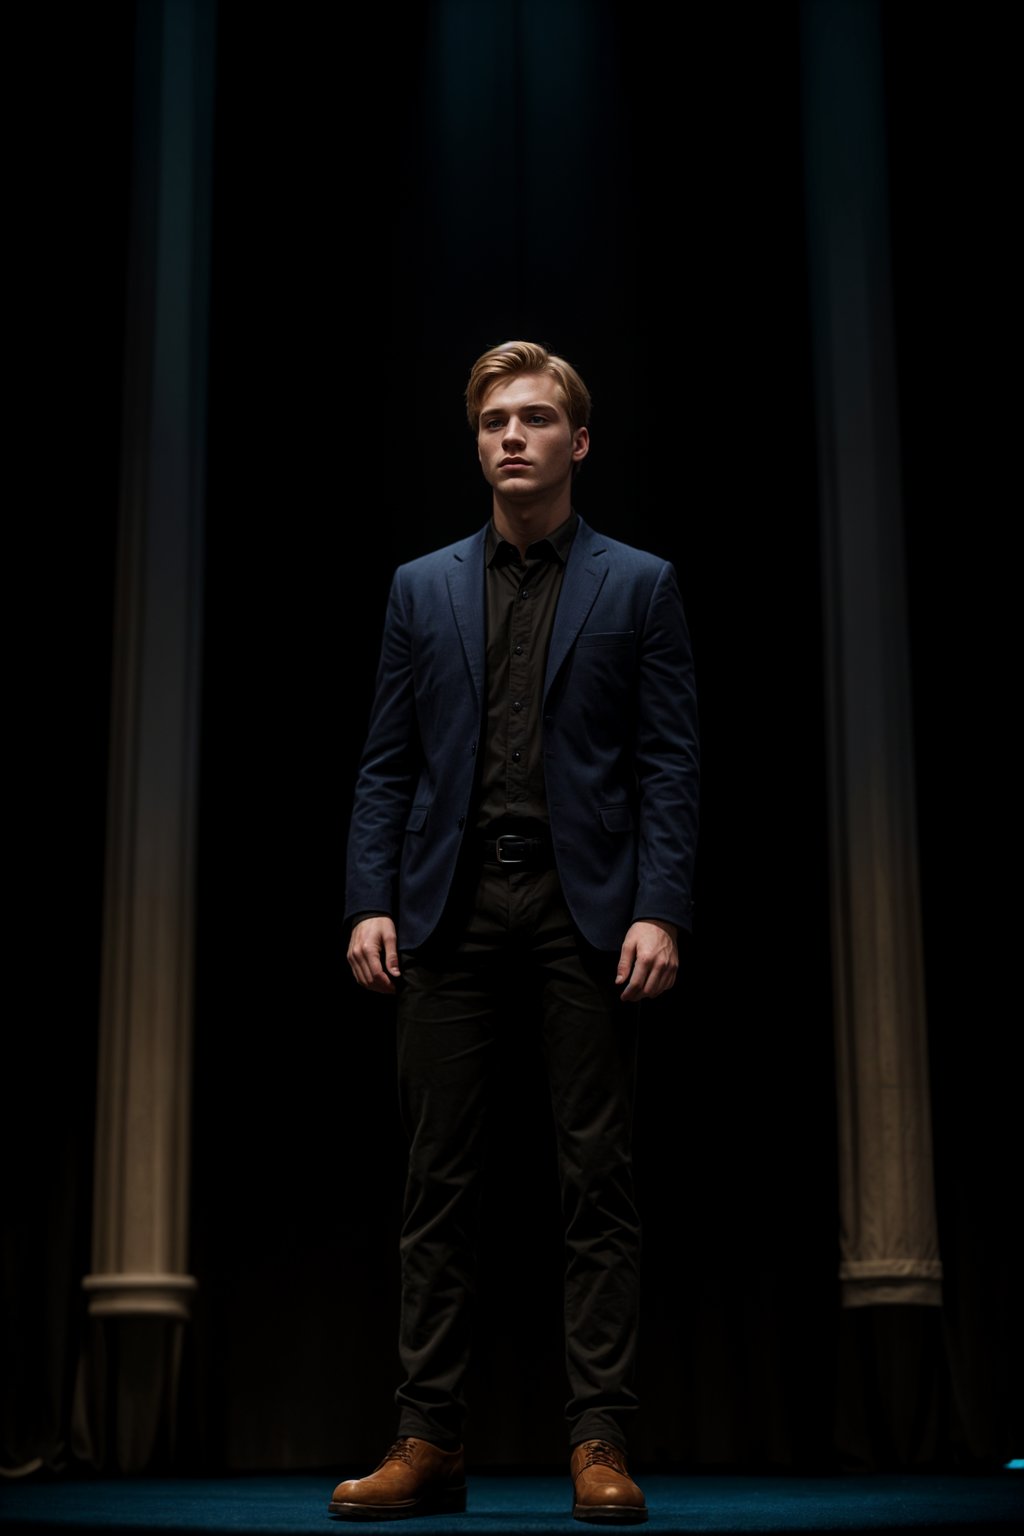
[
  {"x": 666, "y": 760},
  {"x": 388, "y": 770}
]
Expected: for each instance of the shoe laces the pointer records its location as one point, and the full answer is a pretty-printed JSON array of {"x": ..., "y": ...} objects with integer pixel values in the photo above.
[
  {"x": 401, "y": 1450},
  {"x": 601, "y": 1453}
]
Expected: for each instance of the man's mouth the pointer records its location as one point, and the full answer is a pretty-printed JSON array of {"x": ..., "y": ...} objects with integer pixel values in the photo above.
[{"x": 514, "y": 464}]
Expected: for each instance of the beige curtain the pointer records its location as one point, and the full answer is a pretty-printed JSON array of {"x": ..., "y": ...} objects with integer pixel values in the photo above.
[
  {"x": 888, "y": 1235},
  {"x": 139, "y": 1293}
]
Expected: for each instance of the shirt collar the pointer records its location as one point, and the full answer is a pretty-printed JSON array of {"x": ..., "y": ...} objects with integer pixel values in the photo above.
[{"x": 556, "y": 546}]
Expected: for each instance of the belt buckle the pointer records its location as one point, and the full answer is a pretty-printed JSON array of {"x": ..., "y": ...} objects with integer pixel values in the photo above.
[{"x": 514, "y": 836}]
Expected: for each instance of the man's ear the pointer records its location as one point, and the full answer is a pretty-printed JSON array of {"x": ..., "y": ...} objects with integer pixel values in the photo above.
[{"x": 580, "y": 444}]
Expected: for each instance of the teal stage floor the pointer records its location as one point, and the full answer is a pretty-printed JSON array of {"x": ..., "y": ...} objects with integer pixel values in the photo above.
[{"x": 969, "y": 1505}]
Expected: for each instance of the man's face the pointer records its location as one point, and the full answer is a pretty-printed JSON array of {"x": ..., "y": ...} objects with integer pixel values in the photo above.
[{"x": 527, "y": 448}]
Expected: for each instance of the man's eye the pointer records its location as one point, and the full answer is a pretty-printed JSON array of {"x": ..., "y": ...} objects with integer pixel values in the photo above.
[
  {"x": 494, "y": 422},
  {"x": 540, "y": 421}
]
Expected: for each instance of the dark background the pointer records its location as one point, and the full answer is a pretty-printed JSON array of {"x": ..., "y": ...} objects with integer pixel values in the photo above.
[{"x": 623, "y": 183}]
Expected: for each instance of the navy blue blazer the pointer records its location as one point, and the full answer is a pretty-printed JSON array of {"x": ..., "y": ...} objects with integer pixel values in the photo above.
[{"x": 619, "y": 733}]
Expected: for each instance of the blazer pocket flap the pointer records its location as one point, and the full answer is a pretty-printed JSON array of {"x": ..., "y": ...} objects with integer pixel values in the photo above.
[
  {"x": 417, "y": 818},
  {"x": 616, "y": 818},
  {"x": 606, "y": 637}
]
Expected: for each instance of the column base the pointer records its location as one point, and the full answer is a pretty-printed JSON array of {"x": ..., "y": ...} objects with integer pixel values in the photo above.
[{"x": 126, "y": 1393}]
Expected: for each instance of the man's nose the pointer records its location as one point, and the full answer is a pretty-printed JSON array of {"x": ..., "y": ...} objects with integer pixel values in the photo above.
[{"x": 513, "y": 432}]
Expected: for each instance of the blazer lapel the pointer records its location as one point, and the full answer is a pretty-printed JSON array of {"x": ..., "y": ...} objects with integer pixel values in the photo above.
[
  {"x": 466, "y": 591},
  {"x": 585, "y": 570}
]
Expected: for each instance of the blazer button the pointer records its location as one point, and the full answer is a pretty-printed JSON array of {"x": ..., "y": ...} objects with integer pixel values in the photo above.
[{"x": 462, "y": 822}]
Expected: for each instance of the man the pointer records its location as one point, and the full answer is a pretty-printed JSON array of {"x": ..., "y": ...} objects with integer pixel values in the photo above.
[{"x": 520, "y": 857}]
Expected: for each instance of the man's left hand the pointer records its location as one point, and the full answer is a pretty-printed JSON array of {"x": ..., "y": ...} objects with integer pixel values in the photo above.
[{"x": 649, "y": 961}]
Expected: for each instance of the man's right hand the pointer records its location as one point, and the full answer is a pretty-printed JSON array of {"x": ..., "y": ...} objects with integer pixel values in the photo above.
[{"x": 373, "y": 954}]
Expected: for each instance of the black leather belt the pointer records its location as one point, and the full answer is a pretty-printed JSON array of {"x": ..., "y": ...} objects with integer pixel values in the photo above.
[{"x": 514, "y": 850}]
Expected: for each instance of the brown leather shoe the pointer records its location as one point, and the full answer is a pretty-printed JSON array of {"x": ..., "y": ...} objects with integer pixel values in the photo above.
[
  {"x": 603, "y": 1491},
  {"x": 414, "y": 1478}
]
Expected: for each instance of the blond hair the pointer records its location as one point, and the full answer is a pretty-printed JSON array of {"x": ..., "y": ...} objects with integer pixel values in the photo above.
[{"x": 514, "y": 357}]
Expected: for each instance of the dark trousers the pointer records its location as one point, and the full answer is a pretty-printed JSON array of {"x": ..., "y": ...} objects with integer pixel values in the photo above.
[{"x": 509, "y": 934}]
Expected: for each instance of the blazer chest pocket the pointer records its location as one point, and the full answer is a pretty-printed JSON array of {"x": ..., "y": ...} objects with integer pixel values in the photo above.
[
  {"x": 604, "y": 666},
  {"x": 616, "y": 818},
  {"x": 606, "y": 637}
]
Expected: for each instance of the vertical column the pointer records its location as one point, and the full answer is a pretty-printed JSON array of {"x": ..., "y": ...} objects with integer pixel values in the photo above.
[
  {"x": 139, "y": 1292},
  {"x": 888, "y": 1234}
]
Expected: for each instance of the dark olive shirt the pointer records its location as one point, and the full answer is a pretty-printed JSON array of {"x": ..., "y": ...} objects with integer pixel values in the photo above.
[{"x": 521, "y": 597}]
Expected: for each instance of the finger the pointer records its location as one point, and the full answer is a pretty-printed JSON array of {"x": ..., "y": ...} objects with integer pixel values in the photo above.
[
  {"x": 627, "y": 956},
  {"x": 375, "y": 978},
  {"x": 660, "y": 980},
  {"x": 364, "y": 958},
  {"x": 637, "y": 981},
  {"x": 652, "y": 975},
  {"x": 380, "y": 981},
  {"x": 361, "y": 971}
]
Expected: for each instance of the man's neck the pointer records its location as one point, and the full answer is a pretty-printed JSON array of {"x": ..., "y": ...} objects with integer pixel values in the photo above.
[{"x": 523, "y": 524}]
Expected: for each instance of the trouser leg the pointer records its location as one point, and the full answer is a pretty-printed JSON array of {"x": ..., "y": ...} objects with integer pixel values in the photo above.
[
  {"x": 447, "y": 1029},
  {"x": 590, "y": 1045}
]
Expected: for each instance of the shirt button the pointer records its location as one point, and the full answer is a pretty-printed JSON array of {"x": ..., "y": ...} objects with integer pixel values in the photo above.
[
  {"x": 525, "y": 592},
  {"x": 516, "y": 756},
  {"x": 518, "y": 650},
  {"x": 517, "y": 705}
]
